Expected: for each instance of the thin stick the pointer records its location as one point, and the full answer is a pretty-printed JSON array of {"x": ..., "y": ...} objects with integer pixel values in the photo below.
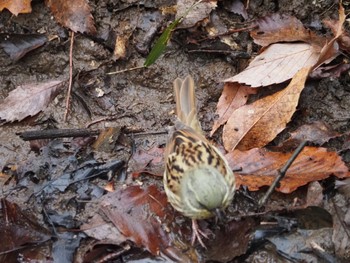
[
  {"x": 282, "y": 173},
  {"x": 56, "y": 133},
  {"x": 70, "y": 76},
  {"x": 124, "y": 70}
]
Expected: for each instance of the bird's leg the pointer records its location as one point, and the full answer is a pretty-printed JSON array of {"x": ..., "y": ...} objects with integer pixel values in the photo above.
[{"x": 197, "y": 233}]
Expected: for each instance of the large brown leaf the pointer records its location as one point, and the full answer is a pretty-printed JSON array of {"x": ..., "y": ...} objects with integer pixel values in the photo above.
[
  {"x": 75, "y": 15},
  {"x": 257, "y": 124},
  {"x": 28, "y": 100},
  {"x": 233, "y": 96},
  {"x": 16, "y": 6},
  {"x": 260, "y": 167}
]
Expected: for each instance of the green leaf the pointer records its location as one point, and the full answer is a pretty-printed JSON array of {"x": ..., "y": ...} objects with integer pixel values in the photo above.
[
  {"x": 163, "y": 40},
  {"x": 161, "y": 44}
]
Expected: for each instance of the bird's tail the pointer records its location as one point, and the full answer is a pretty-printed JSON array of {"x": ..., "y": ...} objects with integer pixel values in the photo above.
[{"x": 185, "y": 99}]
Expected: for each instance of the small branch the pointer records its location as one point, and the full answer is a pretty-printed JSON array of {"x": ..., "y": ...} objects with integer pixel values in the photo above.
[
  {"x": 124, "y": 70},
  {"x": 70, "y": 76},
  {"x": 282, "y": 173},
  {"x": 56, "y": 133}
]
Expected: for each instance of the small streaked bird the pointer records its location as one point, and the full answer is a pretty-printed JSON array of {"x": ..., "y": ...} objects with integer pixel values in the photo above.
[{"x": 197, "y": 179}]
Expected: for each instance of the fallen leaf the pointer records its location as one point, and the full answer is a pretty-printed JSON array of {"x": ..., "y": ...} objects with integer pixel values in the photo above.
[
  {"x": 16, "y": 6},
  {"x": 17, "y": 45},
  {"x": 295, "y": 244},
  {"x": 198, "y": 12},
  {"x": 260, "y": 167},
  {"x": 237, "y": 7},
  {"x": 231, "y": 240},
  {"x": 141, "y": 215},
  {"x": 161, "y": 44},
  {"x": 75, "y": 15},
  {"x": 234, "y": 95},
  {"x": 276, "y": 64},
  {"x": 29, "y": 100},
  {"x": 284, "y": 28},
  {"x": 18, "y": 230},
  {"x": 127, "y": 209},
  {"x": 332, "y": 71},
  {"x": 148, "y": 161},
  {"x": 317, "y": 133},
  {"x": 331, "y": 49},
  {"x": 258, "y": 123}
]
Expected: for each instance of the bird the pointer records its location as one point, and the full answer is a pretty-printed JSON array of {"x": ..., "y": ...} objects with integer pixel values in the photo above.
[{"x": 197, "y": 179}]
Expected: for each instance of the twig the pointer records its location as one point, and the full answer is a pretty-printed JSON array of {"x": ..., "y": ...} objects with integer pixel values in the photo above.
[
  {"x": 124, "y": 70},
  {"x": 70, "y": 76},
  {"x": 229, "y": 32},
  {"x": 56, "y": 133},
  {"x": 147, "y": 133},
  {"x": 282, "y": 173}
]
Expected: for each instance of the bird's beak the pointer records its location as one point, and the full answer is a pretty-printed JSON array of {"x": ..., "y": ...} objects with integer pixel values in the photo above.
[{"x": 219, "y": 214}]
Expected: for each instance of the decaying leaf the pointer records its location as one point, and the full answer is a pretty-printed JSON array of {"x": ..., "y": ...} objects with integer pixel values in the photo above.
[
  {"x": 17, "y": 45},
  {"x": 148, "y": 161},
  {"x": 16, "y": 6},
  {"x": 284, "y": 28},
  {"x": 317, "y": 133},
  {"x": 331, "y": 49},
  {"x": 258, "y": 123},
  {"x": 28, "y": 100},
  {"x": 75, "y": 15},
  {"x": 260, "y": 167},
  {"x": 128, "y": 210},
  {"x": 236, "y": 7},
  {"x": 140, "y": 215},
  {"x": 234, "y": 95},
  {"x": 197, "y": 13},
  {"x": 18, "y": 230},
  {"x": 278, "y": 63}
]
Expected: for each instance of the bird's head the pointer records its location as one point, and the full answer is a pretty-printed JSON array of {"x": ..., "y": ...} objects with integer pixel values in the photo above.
[{"x": 205, "y": 191}]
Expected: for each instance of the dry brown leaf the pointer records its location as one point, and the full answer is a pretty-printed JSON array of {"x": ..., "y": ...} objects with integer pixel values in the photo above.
[
  {"x": 257, "y": 124},
  {"x": 28, "y": 100},
  {"x": 75, "y": 15},
  {"x": 284, "y": 28},
  {"x": 260, "y": 167},
  {"x": 331, "y": 50},
  {"x": 126, "y": 209},
  {"x": 331, "y": 71},
  {"x": 197, "y": 14},
  {"x": 147, "y": 161},
  {"x": 143, "y": 216},
  {"x": 278, "y": 63},
  {"x": 234, "y": 95},
  {"x": 16, "y": 6},
  {"x": 317, "y": 133}
]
